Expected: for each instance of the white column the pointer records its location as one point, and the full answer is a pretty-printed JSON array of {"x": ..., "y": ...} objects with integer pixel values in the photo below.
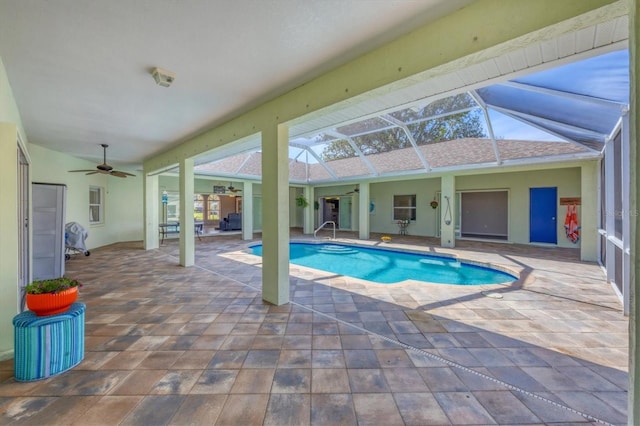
[
  {"x": 447, "y": 212},
  {"x": 187, "y": 244},
  {"x": 308, "y": 225},
  {"x": 609, "y": 210},
  {"x": 363, "y": 213},
  {"x": 151, "y": 202},
  {"x": 247, "y": 211},
  {"x": 275, "y": 215},
  {"x": 589, "y": 212}
]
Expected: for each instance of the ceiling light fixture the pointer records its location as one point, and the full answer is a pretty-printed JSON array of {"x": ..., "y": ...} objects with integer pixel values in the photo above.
[{"x": 162, "y": 77}]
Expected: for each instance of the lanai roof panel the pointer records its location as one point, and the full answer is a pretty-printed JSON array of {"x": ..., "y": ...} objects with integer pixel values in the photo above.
[{"x": 558, "y": 110}]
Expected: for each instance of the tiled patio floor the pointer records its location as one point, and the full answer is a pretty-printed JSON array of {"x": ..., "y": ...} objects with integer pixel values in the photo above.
[{"x": 173, "y": 345}]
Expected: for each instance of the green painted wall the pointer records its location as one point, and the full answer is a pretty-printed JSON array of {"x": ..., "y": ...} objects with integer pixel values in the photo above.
[
  {"x": 202, "y": 185},
  {"x": 123, "y": 197},
  {"x": 518, "y": 183},
  {"x": 567, "y": 180},
  {"x": 382, "y": 194}
]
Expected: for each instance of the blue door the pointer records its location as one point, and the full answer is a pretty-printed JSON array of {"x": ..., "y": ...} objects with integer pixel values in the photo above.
[{"x": 543, "y": 213}]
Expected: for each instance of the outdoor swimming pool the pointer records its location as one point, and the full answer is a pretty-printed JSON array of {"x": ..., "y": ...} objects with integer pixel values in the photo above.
[{"x": 388, "y": 266}]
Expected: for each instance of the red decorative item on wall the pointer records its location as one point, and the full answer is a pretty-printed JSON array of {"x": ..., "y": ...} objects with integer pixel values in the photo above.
[
  {"x": 571, "y": 226},
  {"x": 52, "y": 303}
]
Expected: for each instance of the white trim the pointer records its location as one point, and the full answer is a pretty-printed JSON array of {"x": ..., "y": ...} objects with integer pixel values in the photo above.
[
  {"x": 100, "y": 205},
  {"x": 609, "y": 201},
  {"x": 626, "y": 209}
]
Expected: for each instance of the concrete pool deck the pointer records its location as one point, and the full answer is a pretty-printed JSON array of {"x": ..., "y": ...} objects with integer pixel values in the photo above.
[{"x": 173, "y": 345}]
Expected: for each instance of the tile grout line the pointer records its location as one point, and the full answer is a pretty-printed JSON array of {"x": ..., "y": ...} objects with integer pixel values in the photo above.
[
  {"x": 459, "y": 366},
  {"x": 428, "y": 354}
]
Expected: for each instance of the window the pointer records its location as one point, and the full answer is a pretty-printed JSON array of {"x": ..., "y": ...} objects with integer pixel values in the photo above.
[
  {"x": 95, "y": 205},
  {"x": 404, "y": 207},
  {"x": 198, "y": 207},
  {"x": 214, "y": 208}
]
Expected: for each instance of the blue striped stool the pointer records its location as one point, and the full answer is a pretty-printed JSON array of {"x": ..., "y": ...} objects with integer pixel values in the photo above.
[{"x": 46, "y": 346}]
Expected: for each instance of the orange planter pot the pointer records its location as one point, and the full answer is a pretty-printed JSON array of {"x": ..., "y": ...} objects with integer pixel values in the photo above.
[{"x": 52, "y": 303}]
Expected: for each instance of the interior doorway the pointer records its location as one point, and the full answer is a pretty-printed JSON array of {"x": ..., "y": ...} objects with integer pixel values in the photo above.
[{"x": 338, "y": 210}]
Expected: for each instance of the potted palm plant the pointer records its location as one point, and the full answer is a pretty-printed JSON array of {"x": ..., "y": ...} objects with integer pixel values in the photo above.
[
  {"x": 301, "y": 201},
  {"x": 51, "y": 296}
]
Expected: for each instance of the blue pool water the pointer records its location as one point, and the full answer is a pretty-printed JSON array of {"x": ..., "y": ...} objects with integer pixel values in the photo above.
[{"x": 389, "y": 266}]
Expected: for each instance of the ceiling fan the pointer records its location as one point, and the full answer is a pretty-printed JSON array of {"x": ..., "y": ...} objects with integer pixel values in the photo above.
[
  {"x": 355, "y": 190},
  {"x": 231, "y": 188},
  {"x": 104, "y": 168}
]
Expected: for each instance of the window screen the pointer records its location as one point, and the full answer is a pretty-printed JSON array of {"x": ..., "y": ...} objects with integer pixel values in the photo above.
[{"x": 485, "y": 214}]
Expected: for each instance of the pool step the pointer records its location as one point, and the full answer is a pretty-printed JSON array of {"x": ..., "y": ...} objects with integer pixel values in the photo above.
[
  {"x": 336, "y": 250},
  {"x": 441, "y": 262}
]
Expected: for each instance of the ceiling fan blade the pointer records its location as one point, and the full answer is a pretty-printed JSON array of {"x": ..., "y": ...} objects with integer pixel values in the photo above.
[{"x": 104, "y": 168}]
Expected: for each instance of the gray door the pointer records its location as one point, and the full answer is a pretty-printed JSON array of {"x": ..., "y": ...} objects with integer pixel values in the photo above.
[{"x": 48, "y": 230}]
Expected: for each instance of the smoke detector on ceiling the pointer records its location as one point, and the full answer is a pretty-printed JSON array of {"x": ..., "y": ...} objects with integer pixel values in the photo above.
[{"x": 162, "y": 77}]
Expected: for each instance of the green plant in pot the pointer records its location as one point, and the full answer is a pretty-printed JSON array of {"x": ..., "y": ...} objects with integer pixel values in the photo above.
[
  {"x": 51, "y": 296},
  {"x": 301, "y": 201}
]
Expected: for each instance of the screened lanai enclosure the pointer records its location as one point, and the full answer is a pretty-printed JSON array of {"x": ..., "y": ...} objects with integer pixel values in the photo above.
[
  {"x": 567, "y": 112},
  {"x": 555, "y": 108}
]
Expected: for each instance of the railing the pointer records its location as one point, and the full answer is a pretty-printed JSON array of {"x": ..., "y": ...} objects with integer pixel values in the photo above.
[{"x": 315, "y": 233}]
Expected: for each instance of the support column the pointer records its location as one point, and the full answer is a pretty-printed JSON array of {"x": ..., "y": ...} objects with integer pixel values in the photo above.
[
  {"x": 247, "y": 211},
  {"x": 187, "y": 244},
  {"x": 634, "y": 192},
  {"x": 205, "y": 207},
  {"x": 447, "y": 209},
  {"x": 9, "y": 241},
  {"x": 308, "y": 225},
  {"x": 364, "y": 214},
  {"x": 275, "y": 215},
  {"x": 151, "y": 191},
  {"x": 588, "y": 208}
]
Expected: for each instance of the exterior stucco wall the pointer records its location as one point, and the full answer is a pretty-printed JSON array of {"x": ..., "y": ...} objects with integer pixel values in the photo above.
[{"x": 517, "y": 183}]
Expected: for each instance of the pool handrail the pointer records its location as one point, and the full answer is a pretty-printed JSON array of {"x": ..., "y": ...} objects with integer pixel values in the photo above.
[{"x": 315, "y": 233}]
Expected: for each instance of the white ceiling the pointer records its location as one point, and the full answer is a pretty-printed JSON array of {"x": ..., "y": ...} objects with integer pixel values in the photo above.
[{"x": 80, "y": 70}]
